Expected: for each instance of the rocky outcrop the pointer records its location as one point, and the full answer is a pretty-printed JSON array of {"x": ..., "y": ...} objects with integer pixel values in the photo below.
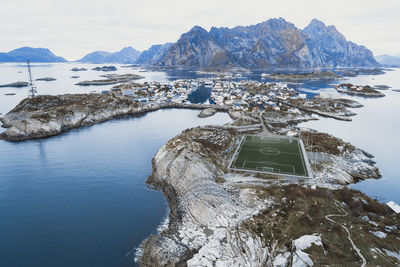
[
  {"x": 315, "y": 75},
  {"x": 105, "y": 68},
  {"x": 45, "y": 116},
  {"x": 336, "y": 162},
  {"x": 350, "y": 89},
  {"x": 275, "y": 119},
  {"x": 46, "y": 79},
  {"x": 205, "y": 216},
  {"x": 16, "y": 84},
  {"x": 325, "y": 107},
  {"x": 273, "y": 44},
  {"x": 111, "y": 79},
  {"x": 208, "y": 112},
  {"x": 78, "y": 69},
  {"x": 217, "y": 218}
]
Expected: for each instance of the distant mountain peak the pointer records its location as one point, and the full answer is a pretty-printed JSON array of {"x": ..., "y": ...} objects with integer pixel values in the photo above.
[
  {"x": 274, "y": 43},
  {"x": 129, "y": 49},
  {"x": 317, "y": 23},
  {"x": 196, "y": 31},
  {"x": 389, "y": 60},
  {"x": 198, "y": 28},
  {"x": 33, "y": 54},
  {"x": 126, "y": 55}
]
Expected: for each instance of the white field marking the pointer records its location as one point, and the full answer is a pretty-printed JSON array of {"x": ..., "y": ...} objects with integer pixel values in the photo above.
[
  {"x": 268, "y": 169},
  {"x": 265, "y": 141},
  {"x": 259, "y": 150},
  {"x": 270, "y": 151},
  {"x": 267, "y": 163},
  {"x": 302, "y": 159},
  {"x": 364, "y": 262},
  {"x": 234, "y": 158}
]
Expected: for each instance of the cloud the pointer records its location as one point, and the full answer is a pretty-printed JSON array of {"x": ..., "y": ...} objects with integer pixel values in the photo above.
[{"x": 73, "y": 28}]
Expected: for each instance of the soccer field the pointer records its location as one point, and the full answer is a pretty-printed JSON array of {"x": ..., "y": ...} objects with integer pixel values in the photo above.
[{"x": 270, "y": 155}]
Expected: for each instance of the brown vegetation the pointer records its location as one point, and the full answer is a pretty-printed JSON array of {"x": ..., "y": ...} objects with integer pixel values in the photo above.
[
  {"x": 323, "y": 142},
  {"x": 301, "y": 211}
]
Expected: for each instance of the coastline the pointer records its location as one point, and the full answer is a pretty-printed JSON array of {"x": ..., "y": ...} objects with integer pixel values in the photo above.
[
  {"x": 192, "y": 175},
  {"x": 166, "y": 106},
  {"x": 33, "y": 123}
]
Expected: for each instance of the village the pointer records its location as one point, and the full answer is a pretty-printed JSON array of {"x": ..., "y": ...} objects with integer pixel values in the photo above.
[{"x": 240, "y": 95}]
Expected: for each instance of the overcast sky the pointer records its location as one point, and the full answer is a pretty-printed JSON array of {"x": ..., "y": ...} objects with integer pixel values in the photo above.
[{"x": 73, "y": 28}]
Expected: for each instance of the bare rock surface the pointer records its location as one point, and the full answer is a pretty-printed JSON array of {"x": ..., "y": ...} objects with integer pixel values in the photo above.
[
  {"x": 111, "y": 79},
  {"x": 204, "y": 216},
  {"x": 16, "y": 84},
  {"x": 46, "y": 79},
  {"x": 210, "y": 208},
  {"x": 208, "y": 112},
  {"x": 294, "y": 77},
  {"x": 45, "y": 116},
  {"x": 365, "y": 91}
]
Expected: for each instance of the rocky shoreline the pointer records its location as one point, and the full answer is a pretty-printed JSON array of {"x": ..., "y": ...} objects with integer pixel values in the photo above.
[
  {"x": 294, "y": 77},
  {"x": 111, "y": 79},
  {"x": 218, "y": 218},
  {"x": 365, "y": 91},
  {"x": 330, "y": 108},
  {"x": 16, "y": 84},
  {"x": 45, "y": 116}
]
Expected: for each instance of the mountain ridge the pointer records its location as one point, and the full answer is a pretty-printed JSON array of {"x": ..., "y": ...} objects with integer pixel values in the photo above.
[
  {"x": 271, "y": 44},
  {"x": 22, "y": 54},
  {"x": 126, "y": 55},
  {"x": 389, "y": 60},
  {"x": 153, "y": 54}
]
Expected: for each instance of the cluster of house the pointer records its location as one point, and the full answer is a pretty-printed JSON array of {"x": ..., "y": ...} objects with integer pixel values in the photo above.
[
  {"x": 241, "y": 95},
  {"x": 156, "y": 92},
  {"x": 246, "y": 95}
]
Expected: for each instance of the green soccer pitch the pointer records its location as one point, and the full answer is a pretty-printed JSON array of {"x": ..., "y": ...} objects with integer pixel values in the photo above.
[{"x": 270, "y": 155}]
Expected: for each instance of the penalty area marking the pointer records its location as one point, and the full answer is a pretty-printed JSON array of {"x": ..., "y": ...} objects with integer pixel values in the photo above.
[
  {"x": 259, "y": 165},
  {"x": 270, "y": 151}
]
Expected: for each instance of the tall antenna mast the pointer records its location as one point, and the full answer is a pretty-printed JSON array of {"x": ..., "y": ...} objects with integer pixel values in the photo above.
[{"x": 32, "y": 90}]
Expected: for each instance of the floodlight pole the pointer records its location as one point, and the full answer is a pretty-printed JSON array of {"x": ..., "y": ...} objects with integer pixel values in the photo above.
[{"x": 32, "y": 90}]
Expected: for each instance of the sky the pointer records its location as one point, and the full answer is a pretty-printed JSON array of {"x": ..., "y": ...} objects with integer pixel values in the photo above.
[{"x": 73, "y": 28}]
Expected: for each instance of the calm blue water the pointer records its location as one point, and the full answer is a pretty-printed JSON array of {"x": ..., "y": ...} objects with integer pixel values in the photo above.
[
  {"x": 79, "y": 199},
  {"x": 13, "y": 72},
  {"x": 375, "y": 129}
]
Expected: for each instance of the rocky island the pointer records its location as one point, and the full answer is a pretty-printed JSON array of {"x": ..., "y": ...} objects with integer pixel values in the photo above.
[
  {"x": 293, "y": 77},
  {"x": 112, "y": 79},
  {"x": 16, "y": 84},
  {"x": 105, "y": 68},
  {"x": 46, "y": 116},
  {"x": 46, "y": 79},
  {"x": 78, "y": 69},
  {"x": 326, "y": 107},
  {"x": 350, "y": 89}
]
